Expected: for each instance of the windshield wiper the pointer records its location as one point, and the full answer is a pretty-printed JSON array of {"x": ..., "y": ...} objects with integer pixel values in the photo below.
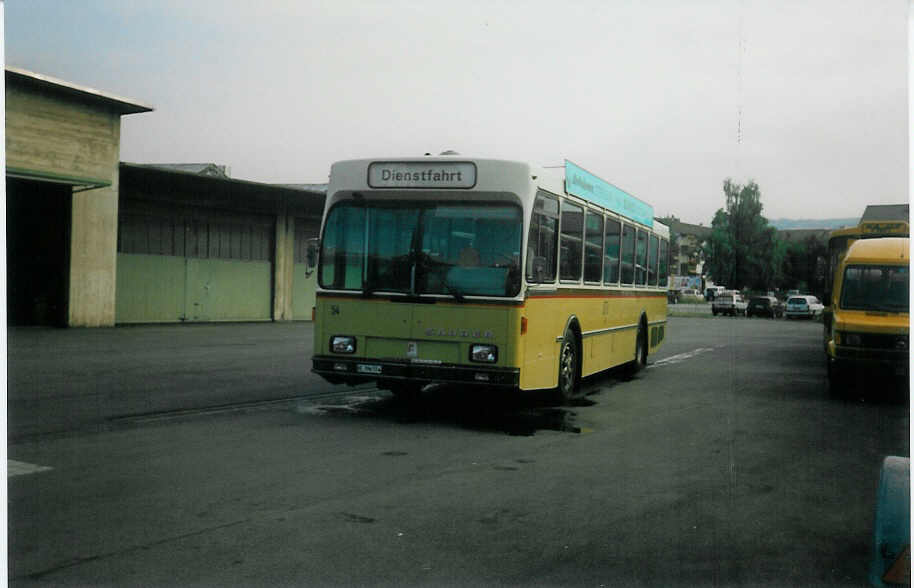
[
  {"x": 453, "y": 291},
  {"x": 430, "y": 266}
]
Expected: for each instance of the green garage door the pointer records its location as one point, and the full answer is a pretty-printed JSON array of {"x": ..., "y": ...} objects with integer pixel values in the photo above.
[{"x": 176, "y": 265}]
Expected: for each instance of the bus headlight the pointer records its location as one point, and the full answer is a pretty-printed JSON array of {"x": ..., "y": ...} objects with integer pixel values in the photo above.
[
  {"x": 483, "y": 353},
  {"x": 342, "y": 344}
]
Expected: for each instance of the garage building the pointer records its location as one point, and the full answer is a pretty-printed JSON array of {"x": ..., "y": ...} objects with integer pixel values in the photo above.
[{"x": 95, "y": 242}]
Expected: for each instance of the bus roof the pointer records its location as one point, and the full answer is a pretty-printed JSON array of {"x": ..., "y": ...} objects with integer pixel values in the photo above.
[
  {"x": 453, "y": 173},
  {"x": 882, "y": 250}
]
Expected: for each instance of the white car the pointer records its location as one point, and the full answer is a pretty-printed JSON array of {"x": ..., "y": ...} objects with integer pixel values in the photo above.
[
  {"x": 729, "y": 303},
  {"x": 804, "y": 306}
]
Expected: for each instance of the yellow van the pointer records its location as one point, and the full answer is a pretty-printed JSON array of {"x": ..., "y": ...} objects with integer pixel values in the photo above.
[{"x": 869, "y": 330}]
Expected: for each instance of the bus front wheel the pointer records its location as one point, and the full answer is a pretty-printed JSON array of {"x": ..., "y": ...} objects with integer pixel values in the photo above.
[{"x": 568, "y": 367}]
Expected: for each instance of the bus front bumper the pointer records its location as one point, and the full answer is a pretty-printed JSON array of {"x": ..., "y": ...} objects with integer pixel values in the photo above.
[
  {"x": 888, "y": 362},
  {"x": 352, "y": 371}
]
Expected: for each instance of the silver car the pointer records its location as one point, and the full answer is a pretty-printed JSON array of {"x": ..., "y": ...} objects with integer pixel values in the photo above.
[{"x": 803, "y": 306}]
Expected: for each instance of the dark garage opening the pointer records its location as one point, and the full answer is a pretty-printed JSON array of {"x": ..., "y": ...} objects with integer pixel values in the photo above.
[{"x": 37, "y": 252}]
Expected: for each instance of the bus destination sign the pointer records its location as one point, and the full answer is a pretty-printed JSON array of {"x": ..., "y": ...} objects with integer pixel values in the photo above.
[
  {"x": 422, "y": 174},
  {"x": 584, "y": 184}
]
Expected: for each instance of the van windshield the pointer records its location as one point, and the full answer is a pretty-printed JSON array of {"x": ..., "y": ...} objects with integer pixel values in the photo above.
[
  {"x": 875, "y": 287},
  {"x": 418, "y": 248}
]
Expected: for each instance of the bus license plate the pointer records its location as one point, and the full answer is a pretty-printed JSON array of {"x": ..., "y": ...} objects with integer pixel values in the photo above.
[{"x": 368, "y": 369}]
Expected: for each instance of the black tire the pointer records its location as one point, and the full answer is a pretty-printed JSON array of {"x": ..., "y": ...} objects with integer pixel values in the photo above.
[
  {"x": 640, "y": 360},
  {"x": 837, "y": 385},
  {"x": 569, "y": 368}
]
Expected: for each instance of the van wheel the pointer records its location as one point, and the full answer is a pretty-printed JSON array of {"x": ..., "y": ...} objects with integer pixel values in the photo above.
[
  {"x": 569, "y": 364},
  {"x": 837, "y": 382}
]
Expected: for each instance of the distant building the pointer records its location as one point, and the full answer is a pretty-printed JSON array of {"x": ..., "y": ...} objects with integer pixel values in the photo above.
[
  {"x": 686, "y": 241},
  {"x": 200, "y": 169},
  {"x": 801, "y": 235},
  {"x": 886, "y": 212}
]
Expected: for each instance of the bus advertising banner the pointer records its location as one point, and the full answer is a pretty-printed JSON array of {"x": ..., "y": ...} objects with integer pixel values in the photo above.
[{"x": 584, "y": 184}]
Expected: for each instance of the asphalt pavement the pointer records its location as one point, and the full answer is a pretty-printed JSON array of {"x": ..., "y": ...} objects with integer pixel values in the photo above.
[
  {"x": 61, "y": 380},
  {"x": 725, "y": 462}
]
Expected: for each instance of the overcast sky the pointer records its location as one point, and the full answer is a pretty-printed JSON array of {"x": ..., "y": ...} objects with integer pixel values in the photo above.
[{"x": 665, "y": 99}]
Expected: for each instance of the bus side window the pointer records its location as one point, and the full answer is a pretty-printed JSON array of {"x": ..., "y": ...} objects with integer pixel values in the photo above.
[
  {"x": 628, "y": 254},
  {"x": 543, "y": 239},
  {"x": 652, "y": 262},
  {"x": 572, "y": 228},
  {"x": 664, "y": 262},
  {"x": 593, "y": 247},
  {"x": 641, "y": 259},
  {"x": 611, "y": 252}
]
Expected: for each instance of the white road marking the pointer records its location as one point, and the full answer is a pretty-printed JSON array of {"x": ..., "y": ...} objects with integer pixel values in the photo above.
[
  {"x": 20, "y": 468},
  {"x": 680, "y": 357}
]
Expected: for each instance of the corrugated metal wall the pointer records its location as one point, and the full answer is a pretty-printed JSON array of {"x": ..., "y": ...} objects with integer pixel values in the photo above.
[{"x": 179, "y": 263}]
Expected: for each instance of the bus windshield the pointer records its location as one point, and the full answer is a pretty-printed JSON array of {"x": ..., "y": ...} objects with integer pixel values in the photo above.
[
  {"x": 876, "y": 288},
  {"x": 415, "y": 248}
]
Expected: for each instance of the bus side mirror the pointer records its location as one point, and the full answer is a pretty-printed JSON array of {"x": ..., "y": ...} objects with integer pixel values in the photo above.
[{"x": 312, "y": 248}]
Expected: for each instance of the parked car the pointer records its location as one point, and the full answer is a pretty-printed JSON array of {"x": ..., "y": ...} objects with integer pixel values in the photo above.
[
  {"x": 804, "y": 306},
  {"x": 729, "y": 303},
  {"x": 711, "y": 292},
  {"x": 690, "y": 292},
  {"x": 765, "y": 306}
]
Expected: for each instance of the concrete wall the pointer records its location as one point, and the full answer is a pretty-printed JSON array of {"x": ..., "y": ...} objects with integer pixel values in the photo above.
[
  {"x": 59, "y": 138},
  {"x": 93, "y": 258},
  {"x": 284, "y": 267}
]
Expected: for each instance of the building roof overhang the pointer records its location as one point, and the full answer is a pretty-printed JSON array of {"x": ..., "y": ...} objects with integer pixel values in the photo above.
[{"x": 119, "y": 104}]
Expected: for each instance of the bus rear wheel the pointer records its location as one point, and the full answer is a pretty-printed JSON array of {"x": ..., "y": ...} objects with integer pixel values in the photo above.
[
  {"x": 569, "y": 359},
  {"x": 640, "y": 360}
]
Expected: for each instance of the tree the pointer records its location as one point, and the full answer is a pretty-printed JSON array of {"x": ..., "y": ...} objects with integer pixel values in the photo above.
[
  {"x": 743, "y": 250},
  {"x": 804, "y": 265}
]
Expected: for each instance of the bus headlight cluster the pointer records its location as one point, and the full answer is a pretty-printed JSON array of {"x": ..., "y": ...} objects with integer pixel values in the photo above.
[
  {"x": 342, "y": 344},
  {"x": 483, "y": 353}
]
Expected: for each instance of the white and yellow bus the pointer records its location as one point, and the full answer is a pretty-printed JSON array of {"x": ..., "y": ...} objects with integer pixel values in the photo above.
[{"x": 486, "y": 272}]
